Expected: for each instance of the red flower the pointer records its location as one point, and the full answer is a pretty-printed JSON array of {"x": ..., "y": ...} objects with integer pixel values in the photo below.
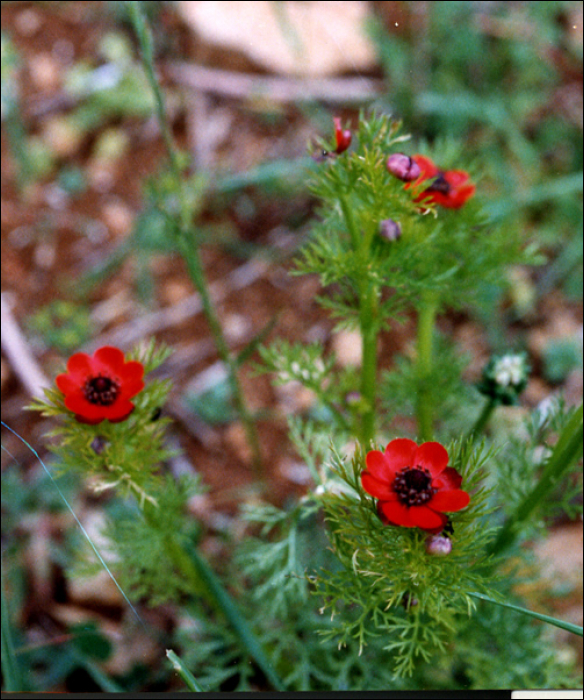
[
  {"x": 99, "y": 387},
  {"x": 343, "y": 137},
  {"x": 450, "y": 189},
  {"x": 413, "y": 484}
]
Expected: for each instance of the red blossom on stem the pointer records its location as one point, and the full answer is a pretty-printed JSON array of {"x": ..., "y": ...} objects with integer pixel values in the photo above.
[
  {"x": 100, "y": 386},
  {"x": 343, "y": 136},
  {"x": 413, "y": 484},
  {"x": 450, "y": 189}
]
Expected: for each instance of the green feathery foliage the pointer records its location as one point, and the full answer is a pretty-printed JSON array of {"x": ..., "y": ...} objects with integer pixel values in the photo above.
[{"x": 404, "y": 593}]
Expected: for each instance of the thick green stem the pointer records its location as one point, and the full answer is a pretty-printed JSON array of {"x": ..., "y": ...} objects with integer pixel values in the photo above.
[
  {"x": 188, "y": 242},
  {"x": 566, "y": 451},
  {"x": 369, "y": 327},
  {"x": 424, "y": 407}
]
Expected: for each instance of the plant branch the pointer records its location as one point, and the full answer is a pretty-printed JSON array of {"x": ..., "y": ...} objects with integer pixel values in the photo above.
[
  {"x": 424, "y": 407},
  {"x": 566, "y": 451},
  {"x": 188, "y": 243}
]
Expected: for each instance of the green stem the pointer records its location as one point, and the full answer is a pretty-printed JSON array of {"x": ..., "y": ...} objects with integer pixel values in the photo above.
[
  {"x": 184, "y": 672},
  {"x": 222, "y": 600},
  {"x": 575, "y": 629},
  {"x": 424, "y": 407},
  {"x": 566, "y": 452},
  {"x": 369, "y": 333},
  {"x": 10, "y": 667},
  {"x": 369, "y": 326},
  {"x": 188, "y": 242},
  {"x": 483, "y": 419}
]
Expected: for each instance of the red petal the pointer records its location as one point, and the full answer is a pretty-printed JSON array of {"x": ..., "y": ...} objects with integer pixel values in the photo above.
[
  {"x": 110, "y": 358},
  {"x": 448, "y": 479},
  {"x": 81, "y": 407},
  {"x": 425, "y": 518},
  {"x": 89, "y": 421},
  {"x": 396, "y": 513},
  {"x": 118, "y": 411},
  {"x": 79, "y": 364},
  {"x": 376, "y": 488},
  {"x": 378, "y": 466},
  {"x": 400, "y": 453},
  {"x": 131, "y": 381},
  {"x": 456, "y": 178},
  {"x": 427, "y": 168},
  {"x": 67, "y": 384},
  {"x": 431, "y": 456},
  {"x": 460, "y": 196},
  {"x": 450, "y": 500}
]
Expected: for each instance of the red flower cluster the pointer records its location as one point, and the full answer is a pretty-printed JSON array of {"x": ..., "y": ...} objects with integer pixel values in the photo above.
[
  {"x": 414, "y": 485},
  {"x": 450, "y": 189},
  {"x": 100, "y": 386}
]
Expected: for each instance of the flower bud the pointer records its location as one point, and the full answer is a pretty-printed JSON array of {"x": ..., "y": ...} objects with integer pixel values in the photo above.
[
  {"x": 403, "y": 167},
  {"x": 353, "y": 398},
  {"x": 343, "y": 136},
  {"x": 389, "y": 230},
  {"x": 99, "y": 444},
  {"x": 408, "y": 601},
  {"x": 438, "y": 545}
]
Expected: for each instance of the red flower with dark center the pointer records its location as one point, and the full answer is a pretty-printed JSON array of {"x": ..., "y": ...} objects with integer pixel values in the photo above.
[
  {"x": 342, "y": 136},
  {"x": 414, "y": 485},
  {"x": 100, "y": 386},
  {"x": 450, "y": 189}
]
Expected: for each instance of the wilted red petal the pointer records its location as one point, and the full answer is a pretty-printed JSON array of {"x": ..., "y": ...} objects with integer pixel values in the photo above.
[
  {"x": 431, "y": 456},
  {"x": 461, "y": 189}
]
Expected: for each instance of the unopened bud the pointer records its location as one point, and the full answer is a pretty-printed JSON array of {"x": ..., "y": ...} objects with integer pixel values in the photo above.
[
  {"x": 438, "y": 545},
  {"x": 389, "y": 230},
  {"x": 352, "y": 398},
  {"x": 408, "y": 601},
  {"x": 98, "y": 444},
  {"x": 343, "y": 137},
  {"x": 403, "y": 167}
]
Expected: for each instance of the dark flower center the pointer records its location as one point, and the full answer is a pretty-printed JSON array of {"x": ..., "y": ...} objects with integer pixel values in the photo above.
[
  {"x": 102, "y": 391},
  {"x": 440, "y": 184},
  {"x": 413, "y": 486}
]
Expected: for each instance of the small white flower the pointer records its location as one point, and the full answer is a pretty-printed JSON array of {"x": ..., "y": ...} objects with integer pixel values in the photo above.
[{"x": 510, "y": 370}]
